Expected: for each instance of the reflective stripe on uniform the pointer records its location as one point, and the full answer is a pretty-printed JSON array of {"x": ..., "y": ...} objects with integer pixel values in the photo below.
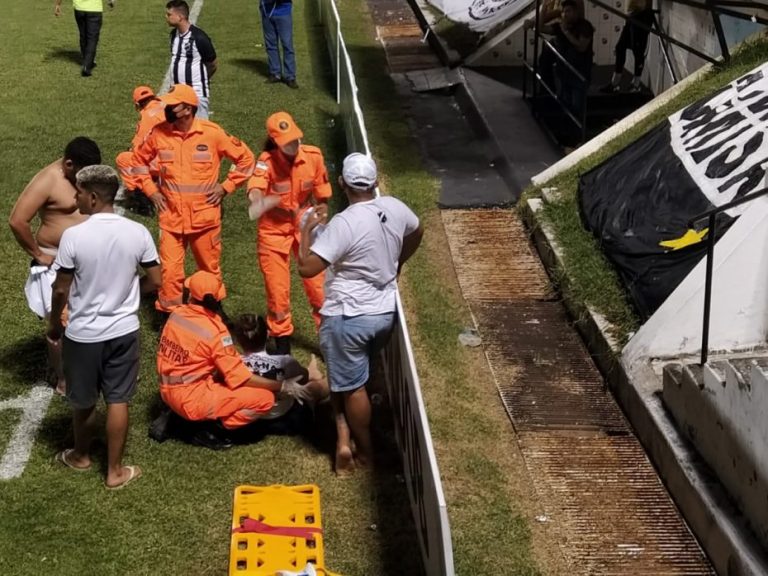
[
  {"x": 168, "y": 304},
  {"x": 140, "y": 170},
  {"x": 191, "y": 326},
  {"x": 202, "y": 157},
  {"x": 189, "y": 188},
  {"x": 278, "y": 315},
  {"x": 165, "y": 154},
  {"x": 183, "y": 379}
]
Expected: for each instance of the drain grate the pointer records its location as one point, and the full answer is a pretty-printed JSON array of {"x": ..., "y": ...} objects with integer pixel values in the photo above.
[
  {"x": 493, "y": 256},
  {"x": 616, "y": 515},
  {"x": 404, "y": 48},
  {"x": 544, "y": 375}
]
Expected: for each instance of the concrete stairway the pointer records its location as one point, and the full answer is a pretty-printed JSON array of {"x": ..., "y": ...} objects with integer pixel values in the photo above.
[{"x": 722, "y": 408}]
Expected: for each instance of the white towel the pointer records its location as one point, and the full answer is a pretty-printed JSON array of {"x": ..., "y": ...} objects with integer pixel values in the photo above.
[{"x": 38, "y": 289}]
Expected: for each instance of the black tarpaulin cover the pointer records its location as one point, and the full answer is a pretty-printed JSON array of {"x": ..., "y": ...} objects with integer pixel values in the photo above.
[{"x": 702, "y": 156}]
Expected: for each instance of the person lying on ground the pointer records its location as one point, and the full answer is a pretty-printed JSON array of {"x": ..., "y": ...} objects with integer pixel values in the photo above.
[
  {"x": 289, "y": 415},
  {"x": 202, "y": 376}
]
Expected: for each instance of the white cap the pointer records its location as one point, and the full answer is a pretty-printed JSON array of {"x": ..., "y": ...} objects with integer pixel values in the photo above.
[{"x": 359, "y": 171}]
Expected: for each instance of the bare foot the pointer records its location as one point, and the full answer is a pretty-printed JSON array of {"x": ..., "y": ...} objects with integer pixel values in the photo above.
[
  {"x": 345, "y": 463},
  {"x": 61, "y": 387},
  {"x": 363, "y": 460}
]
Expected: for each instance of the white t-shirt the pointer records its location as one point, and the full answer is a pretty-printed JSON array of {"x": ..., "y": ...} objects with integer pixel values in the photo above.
[
  {"x": 272, "y": 366},
  {"x": 362, "y": 244},
  {"x": 105, "y": 253}
]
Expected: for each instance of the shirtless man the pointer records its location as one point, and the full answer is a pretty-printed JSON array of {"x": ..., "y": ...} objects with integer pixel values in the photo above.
[{"x": 50, "y": 195}]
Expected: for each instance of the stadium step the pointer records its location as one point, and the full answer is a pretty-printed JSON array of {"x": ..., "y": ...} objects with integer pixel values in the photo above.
[{"x": 720, "y": 407}]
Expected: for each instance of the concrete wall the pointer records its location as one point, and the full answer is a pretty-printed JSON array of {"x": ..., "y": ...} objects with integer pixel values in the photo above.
[
  {"x": 739, "y": 312},
  {"x": 695, "y": 27},
  {"x": 725, "y": 418}
]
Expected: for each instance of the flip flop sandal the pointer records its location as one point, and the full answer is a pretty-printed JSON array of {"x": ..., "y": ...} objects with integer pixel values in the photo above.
[
  {"x": 62, "y": 456},
  {"x": 135, "y": 472}
]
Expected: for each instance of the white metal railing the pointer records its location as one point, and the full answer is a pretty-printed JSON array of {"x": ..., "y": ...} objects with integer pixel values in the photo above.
[{"x": 425, "y": 490}]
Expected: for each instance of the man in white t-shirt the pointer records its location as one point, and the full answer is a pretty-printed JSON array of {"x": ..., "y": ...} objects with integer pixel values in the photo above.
[
  {"x": 363, "y": 249},
  {"x": 98, "y": 276}
]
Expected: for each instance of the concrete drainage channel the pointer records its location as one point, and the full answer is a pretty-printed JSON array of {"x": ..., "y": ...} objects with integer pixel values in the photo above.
[
  {"x": 591, "y": 473},
  {"x": 593, "y": 479}
]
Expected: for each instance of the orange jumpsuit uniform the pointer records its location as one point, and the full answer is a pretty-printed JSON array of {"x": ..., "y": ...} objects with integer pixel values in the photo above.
[
  {"x": 298, "y": 184},
  {"x": 202, "y": 376},
  {"x": 188, "y": 165},
  {"x": 150, "y": 116}
]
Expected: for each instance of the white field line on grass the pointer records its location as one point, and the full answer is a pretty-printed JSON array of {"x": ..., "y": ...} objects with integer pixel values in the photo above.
[{"x": 34, "y": 406}]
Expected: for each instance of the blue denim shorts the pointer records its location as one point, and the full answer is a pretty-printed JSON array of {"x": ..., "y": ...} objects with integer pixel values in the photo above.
[{"x": 348, "y": 343}]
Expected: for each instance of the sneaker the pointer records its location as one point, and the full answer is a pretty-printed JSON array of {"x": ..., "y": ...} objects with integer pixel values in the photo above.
[
  {"x": 292, "y": 84},
  {"x": 635, "y": 88},
  {"x": 85, "y": 73},
  {"x": 211, "y": 435},
  {"x": 610, "y": 88},
  {"x": 158, "y": 430},
  {"x": 274, "y": 80}
]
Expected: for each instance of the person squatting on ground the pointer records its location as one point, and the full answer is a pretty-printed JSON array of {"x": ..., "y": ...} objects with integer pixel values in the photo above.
[
  {"x": 88, "y": 16},
  {"x": 193, "y": 57},
  {"x": 364, "y": 247},
  {"x": 289, "y": 178},
  {"x": 277, "y": 25},
  {"x": 151, "y": 111},
  {"x": 203, "y": 377},
  {"x": 97, "y": 272},
  {"x": 50, "y": 196},
  {"x": 187, "y": 196},
  {"x": 634, "y": 38},
  {"x": 287, "y": 415}
]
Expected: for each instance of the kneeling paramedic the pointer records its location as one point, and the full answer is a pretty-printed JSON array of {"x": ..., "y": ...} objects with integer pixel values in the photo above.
[{"x": 202, "y": 376}]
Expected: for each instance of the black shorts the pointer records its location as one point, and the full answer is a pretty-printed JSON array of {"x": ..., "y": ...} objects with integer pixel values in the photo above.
[{"x": 110, "y": 367}]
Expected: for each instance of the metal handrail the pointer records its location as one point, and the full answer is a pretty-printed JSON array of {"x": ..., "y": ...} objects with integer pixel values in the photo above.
[
  {"x": 711, "y": 216},
  {"x": 537, "y": 79},
  {"x": 665, "y": 36}
]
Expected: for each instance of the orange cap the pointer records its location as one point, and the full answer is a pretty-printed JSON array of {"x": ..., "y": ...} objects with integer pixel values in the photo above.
[
  {"x": 141, "y": 93},
  {"x": 180, "y": 94},
  {"x": 202, "y": 283},
  {"x": 282, "y": 129}
]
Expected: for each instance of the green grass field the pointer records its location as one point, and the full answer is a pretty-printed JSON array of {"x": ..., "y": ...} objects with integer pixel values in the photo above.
[{"x": 175, "y": 520}]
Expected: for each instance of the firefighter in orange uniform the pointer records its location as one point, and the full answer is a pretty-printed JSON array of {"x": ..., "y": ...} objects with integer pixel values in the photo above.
[
  {"x": 289, "y": 178},
  {"x": 202, "y": 375},
  {"x": 188, "y": 195},
  {"x": 196, "y": 347},
  {"x": 151, "y": 111}
]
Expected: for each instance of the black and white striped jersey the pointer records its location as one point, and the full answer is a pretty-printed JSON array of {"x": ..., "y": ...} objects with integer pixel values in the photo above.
[{"x": 190, "y": 52}]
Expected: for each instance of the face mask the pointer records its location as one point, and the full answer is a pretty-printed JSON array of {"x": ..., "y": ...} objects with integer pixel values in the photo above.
[{"x": 170, "y": 115}]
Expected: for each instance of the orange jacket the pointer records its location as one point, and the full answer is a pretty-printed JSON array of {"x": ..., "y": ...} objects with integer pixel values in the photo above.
[
  {"x": 196, "y": 348},
  {"x": 150, "y": 116},
  {"x": 189, "y": 165},
  {"x": 297, "y": 183}
]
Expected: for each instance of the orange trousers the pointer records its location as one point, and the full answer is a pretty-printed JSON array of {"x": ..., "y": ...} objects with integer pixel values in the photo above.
[
  {"x": 125, "y": 168},
  {"x": 211, "y": 401},
  {"x": 274, "y": 260},
  {"x": 206, "y": 248}
]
